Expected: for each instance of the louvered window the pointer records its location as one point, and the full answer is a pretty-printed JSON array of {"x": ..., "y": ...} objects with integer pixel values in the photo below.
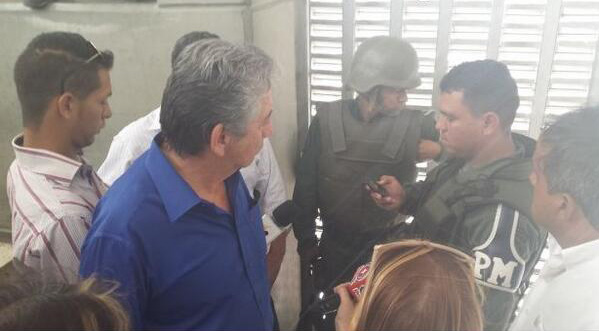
[
  {"x": 550, "y": 47},
  {"x": 576, "y": 45}
]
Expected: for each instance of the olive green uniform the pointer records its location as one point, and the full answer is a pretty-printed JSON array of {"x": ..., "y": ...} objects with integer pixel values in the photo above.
[
  {"x": 484, "y": 212},
  {"x": 340, "y": 154}
]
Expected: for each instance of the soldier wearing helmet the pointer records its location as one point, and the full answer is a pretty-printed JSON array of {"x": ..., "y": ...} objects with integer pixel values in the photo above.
[{"x": 349, "y": 143}]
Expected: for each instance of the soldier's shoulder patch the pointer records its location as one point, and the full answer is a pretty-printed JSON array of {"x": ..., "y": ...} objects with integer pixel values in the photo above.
[{"x": 497, "y": 262}]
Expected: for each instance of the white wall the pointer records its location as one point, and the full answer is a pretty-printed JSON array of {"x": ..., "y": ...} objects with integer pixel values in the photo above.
[
  {"x": 274, "y": 32},
  {"x": 141, "y": 35}
]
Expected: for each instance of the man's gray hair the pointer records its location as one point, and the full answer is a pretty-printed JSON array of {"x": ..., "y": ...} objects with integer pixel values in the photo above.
[
  {"x": 213, "y": 81},
  {"x": 572, "y": 163}
]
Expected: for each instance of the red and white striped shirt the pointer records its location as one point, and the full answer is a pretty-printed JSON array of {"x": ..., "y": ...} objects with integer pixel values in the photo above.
[{"x": 52, "y": 199}]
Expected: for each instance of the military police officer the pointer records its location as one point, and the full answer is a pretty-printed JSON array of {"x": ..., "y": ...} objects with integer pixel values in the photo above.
[
  {"x": 479, "y": 199},
  {"x": 350, "y": 142}
]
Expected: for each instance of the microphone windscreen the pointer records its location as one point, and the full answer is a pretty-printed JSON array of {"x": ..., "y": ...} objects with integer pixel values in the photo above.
[{"x": 286, "y": 213}]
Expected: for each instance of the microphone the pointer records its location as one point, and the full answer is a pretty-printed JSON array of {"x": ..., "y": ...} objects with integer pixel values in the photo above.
[
  {"x": 330, "y": 303},
  {"x": 285, "y": 214}
]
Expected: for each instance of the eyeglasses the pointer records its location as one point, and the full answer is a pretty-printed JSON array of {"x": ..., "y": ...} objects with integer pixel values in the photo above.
[
  {"x": 97, "y": 54},
  {"x": 411, "y": 249}
]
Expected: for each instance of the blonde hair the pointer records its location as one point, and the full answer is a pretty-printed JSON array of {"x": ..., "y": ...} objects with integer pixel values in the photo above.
[
  {"x": 34, "y": 305},
  {"x": 419, "y": 285}
]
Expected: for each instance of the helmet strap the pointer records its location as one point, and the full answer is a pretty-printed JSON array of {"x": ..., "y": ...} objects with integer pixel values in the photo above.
[{"x": 370, "y": 103}]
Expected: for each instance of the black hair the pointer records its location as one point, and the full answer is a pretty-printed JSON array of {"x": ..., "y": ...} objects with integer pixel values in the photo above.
[
  {"x": 54, "y": 63},
  {"x": 487, "y": 86}
]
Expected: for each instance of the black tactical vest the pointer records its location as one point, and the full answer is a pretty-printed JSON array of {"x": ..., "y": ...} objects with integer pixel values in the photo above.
[{"x": 353, "y": 151}]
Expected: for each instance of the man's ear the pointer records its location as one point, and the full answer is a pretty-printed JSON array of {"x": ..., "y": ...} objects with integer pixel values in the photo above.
[
  {"x": 67, "y": 105},
  {"x": 566, "y": 208},
  {"x": 219, "y": 139},
  {"x": 491, "y": 122}
]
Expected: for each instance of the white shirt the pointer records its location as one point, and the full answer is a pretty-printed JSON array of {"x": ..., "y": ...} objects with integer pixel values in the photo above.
[
  {"x": 566, "y": 295},
  {"x": 52, "y": 199},
  {"x": 134, "y": 139}
]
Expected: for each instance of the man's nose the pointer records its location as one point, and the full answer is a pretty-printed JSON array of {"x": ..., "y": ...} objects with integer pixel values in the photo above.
[
  {"x": 440, "y": 123},
  {"x": 267, "y": 131},
  {"x": 108, "y": 112}
]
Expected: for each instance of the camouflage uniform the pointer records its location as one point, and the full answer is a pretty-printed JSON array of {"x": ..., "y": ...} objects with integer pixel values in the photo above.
[{"x": 484, "y": 212}]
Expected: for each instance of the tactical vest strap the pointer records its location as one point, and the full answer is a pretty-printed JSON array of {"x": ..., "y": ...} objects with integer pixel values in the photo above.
[
  {"x": 406, "y": 120},
  {"x": 336, "y": 125},
  {"x": 450, "y": 203},
  {"x": 437, "y": 212},
  {"x": 405, "y": 134}
]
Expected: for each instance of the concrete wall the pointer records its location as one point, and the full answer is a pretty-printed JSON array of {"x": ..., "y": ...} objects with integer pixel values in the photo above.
[
  {"x": 141, "y": 35},
  {"x": 274, "y": 32}
]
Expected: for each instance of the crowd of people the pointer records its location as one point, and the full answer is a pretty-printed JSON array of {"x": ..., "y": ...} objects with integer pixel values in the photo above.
[{"x": 169, "y": 234}]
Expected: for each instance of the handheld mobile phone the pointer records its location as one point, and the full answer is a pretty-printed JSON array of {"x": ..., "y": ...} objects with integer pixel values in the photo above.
[{"x": 374, "y": 187}]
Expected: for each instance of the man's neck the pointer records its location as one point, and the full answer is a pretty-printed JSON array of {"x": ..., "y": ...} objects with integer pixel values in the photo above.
[
  {"x": 366, "y": 110},
  {"x": 498, "y": 147},
  {"x": 205, "y": 174},
  {"x": 52, "y": 140},
  {"x": 575, "y": 233}
]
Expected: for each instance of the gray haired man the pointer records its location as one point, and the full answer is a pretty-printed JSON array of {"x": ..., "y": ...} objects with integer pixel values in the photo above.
[
  {"x": 565, "y": 178},
  {"x": 179, "y": 231}
]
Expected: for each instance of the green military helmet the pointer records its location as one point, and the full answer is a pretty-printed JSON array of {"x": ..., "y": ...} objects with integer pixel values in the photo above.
[{"x": 386, "y": 61}]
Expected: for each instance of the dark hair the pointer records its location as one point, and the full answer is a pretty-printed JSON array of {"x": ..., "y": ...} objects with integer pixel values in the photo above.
[
  {"x": 213, "y": 81},
  {"x": 30, "y": 304},
  {"x": 188, "y": 39},
  {"x": 487, "y": 86},
  {"x": 54, "y": 61},
  {"x": 571, "y": 164}
]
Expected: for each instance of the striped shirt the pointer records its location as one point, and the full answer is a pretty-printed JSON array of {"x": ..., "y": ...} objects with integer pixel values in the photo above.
[{"x": 52, "y": 199}]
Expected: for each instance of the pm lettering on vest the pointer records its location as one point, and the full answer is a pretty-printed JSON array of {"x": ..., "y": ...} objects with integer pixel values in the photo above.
[
  {"x": 497, "y": 263},
  {"x": 501, "y": 273}
]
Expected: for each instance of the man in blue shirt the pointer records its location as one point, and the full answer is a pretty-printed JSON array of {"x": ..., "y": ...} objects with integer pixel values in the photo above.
[{"x": 179, "y": 230}]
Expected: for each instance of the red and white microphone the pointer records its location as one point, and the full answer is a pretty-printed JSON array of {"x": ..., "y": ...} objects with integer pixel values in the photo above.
[{"x": 355, "y": 287}]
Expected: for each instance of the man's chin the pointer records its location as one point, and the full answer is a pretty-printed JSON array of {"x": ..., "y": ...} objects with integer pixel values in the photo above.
[
  {"x": 247, "y": 164},
  {"x": 448, "y": 149},
  {"x": 90, "y": 141},
  {"x": 85, "y": 143}
]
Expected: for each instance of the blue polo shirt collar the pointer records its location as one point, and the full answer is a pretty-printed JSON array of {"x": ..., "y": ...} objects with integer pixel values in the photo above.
[{"x": 178, "y": 197}]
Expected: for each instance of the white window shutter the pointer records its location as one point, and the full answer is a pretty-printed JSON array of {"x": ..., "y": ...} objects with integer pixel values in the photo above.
[
  {"x": 550, "y": 47},
  {"x": 325, "y": 31},
  {"x": 572, "y": 69},
  {"x": 520, "y": 49},
  {"x": 419, "y": 27}
]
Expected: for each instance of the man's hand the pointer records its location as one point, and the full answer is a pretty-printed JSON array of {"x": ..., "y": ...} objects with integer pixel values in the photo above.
[
  {"x": 346, "y": 309},
  {"x": 428, "y": 150},
  {"x": 395, "y": 193}
]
